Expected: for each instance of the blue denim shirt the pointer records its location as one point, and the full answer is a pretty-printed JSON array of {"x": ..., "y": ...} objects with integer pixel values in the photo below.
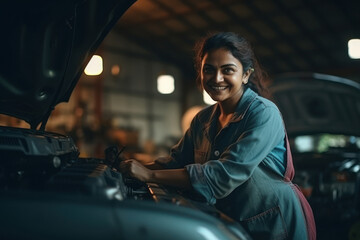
[{"x": 241, "y": 168}]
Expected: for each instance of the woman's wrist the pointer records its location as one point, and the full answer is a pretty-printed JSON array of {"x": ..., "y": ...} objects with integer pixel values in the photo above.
[{"x": 172, "y": 177}]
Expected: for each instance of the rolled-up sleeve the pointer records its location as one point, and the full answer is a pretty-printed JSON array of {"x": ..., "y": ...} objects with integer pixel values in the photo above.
[{"x": 218, "y": 178}]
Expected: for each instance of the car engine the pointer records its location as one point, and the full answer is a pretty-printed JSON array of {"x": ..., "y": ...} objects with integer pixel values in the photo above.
[{"x": 47, "y": 191}]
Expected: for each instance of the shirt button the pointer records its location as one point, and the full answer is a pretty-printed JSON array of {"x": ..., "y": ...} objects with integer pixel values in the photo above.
[{"x": 217, "y": 153}]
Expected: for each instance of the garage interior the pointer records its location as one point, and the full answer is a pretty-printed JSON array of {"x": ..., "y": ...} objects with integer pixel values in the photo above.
[
  {"x": 122, "y": 105},
  {"x": 156, "y": 37}
]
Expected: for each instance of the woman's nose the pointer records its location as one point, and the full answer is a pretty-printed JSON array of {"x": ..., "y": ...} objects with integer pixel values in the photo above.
[{"x": 219, "y": 76}]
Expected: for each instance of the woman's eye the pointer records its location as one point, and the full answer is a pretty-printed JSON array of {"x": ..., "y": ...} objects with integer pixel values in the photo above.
[
  {"x": 228, "y": 70},
  {"x": 207, "y": 70}
]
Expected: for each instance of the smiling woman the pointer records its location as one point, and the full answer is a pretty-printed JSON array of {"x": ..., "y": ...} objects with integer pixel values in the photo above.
[
  {"x": 223, "y": 76},
  {"x": 235, "y": 153},
  {"x": 239, "y": 50}
]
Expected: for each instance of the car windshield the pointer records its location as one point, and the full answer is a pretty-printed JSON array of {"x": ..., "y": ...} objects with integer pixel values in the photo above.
[{"x": 321, "y": 143}]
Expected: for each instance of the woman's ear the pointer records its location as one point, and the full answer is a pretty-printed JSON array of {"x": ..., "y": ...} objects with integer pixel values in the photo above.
[{"x": 246, "y": 75}]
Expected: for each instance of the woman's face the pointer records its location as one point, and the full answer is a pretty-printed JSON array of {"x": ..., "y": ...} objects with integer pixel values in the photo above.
[{"x": 222, "y": 76}]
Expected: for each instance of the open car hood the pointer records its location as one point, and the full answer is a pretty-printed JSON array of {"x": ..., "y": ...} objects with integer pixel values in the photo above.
[
  {"x": 45, "y": 48},
  {"x": 317, "y": 103}
]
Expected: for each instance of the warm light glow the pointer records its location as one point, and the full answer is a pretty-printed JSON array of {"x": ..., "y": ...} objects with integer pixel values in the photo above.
[
  {"x": 115, "y": 70},
  {"x": 207, "y": 99},
  {"x": 188, "y": 117},
  {"x": 165, "y": 84},
  {"x": 95, "y": 66},
  {"x": 354, "y": 48}
]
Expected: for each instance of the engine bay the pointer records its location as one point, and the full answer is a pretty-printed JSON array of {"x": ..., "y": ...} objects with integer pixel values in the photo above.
[{"x": 48, "y": 191}]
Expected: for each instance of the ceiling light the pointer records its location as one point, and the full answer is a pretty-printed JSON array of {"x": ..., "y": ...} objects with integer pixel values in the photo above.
[
  {"x": 207, "y": 99},
  {"x": 115, "y": 70},
  {"x": 354, "y": 48},
  {"x": 95, "y": 66},
  {"x": 165, "y": 84}
]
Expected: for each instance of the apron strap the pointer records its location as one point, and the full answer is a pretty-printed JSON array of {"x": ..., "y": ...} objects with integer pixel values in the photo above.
[
  {"x": 307, "y": 211},
  {"x": 290, "y": 171}
]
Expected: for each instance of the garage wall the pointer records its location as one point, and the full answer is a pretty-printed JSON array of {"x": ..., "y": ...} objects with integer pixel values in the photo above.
[
  {"x": 131, "y": 98},
  {"x": 132, "y": 111}
]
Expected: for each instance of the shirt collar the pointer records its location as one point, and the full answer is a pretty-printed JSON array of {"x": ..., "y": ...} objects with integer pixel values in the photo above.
[{"x": 242, "y": 107}]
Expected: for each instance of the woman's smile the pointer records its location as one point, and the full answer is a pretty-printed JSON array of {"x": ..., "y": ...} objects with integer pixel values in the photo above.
[{"x": 218, "y": 88}]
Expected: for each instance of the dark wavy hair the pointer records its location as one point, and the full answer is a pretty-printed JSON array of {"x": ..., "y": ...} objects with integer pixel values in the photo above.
[{"x": 240, "y": 48}]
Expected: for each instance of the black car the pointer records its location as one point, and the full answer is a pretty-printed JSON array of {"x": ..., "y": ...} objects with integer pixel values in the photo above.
[
  {"x": 46, "y": 190},
  {"x": 322, "y": 118}
]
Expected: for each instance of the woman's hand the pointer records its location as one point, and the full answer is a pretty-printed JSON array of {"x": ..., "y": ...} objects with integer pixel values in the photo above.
[
  {"x": 173, "y": 177},
  {"x": 135, "y": 169}
]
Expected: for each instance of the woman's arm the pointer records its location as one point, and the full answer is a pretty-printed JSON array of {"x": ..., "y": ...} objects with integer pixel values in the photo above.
[
  {"x": 168, "y": 170},
  {"x": 172, "y": 177},
  {"x": 158, "y": 164}
]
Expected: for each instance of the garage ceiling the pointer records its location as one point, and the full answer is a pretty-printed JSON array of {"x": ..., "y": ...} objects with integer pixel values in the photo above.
[{"x": 287, "y": 35}]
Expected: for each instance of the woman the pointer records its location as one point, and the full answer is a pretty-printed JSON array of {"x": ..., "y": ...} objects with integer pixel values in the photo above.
[{"x": 236, "y": 153}]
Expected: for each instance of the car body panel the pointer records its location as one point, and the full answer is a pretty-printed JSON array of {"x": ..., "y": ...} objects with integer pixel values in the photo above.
[
  {"x": 47, "y": 45},
  {"x": 318, "y": 103}
]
